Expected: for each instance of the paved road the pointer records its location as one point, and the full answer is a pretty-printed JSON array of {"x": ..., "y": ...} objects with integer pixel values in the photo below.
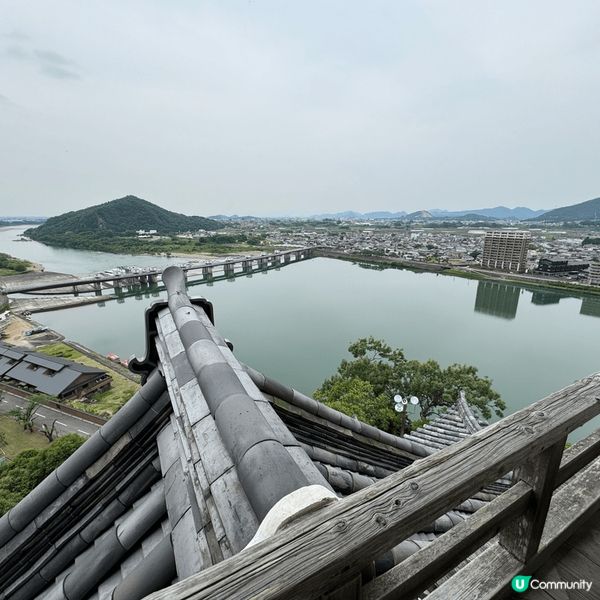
[{"x": 64, "y": 423}]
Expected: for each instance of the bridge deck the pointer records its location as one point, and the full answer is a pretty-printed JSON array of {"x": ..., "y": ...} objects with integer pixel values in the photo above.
[{"x": 577, "y": 559}]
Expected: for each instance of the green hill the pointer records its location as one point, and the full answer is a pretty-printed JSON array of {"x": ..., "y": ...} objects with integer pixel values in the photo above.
[
  {"x": 121, "y": 216},
  {"x": 584, "y": 211},
  {"x": 112, "y": 226}
]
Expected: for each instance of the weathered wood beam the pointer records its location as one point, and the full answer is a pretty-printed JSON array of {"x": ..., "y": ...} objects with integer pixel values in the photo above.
[
  {"x": 489, "y": 575},
  {"x": 428, "y": 565},
  {"x": 352, "y": 532},
  {"x": 578, "y": 456},
  {"x": 522, "y": 537}
]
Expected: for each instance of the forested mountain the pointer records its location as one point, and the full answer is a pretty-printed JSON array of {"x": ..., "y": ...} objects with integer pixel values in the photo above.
[
  {"x": 584, "y": 211},
  {"x": 121, "y": 216}
]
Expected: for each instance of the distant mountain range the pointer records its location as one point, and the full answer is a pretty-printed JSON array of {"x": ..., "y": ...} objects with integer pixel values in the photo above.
[
  {"x": 584, "y": 211},
  {"x": 231, "y": 217},
  {"x": 519, "y": 213},
  {"x": 124, "y": 215},
  {"x": 499, "y": 212}
]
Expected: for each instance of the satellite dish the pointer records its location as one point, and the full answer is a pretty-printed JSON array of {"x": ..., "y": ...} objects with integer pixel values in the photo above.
[
  {"x": 397, "y": 398},
  {"x": 399, "y": 407},
  {"x": 414, "y": 400}
]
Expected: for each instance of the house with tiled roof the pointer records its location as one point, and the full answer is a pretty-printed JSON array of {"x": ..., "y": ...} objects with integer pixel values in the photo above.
[{"x": 52, "y": 375}]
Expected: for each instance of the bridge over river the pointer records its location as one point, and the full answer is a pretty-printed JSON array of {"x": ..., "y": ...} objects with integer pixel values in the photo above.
[{"x": 205, "y": 270}]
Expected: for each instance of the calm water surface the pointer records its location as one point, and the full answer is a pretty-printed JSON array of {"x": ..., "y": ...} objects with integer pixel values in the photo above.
[
  {"x": 296, "y": 323},
  {"x": 75, "y": 262}
]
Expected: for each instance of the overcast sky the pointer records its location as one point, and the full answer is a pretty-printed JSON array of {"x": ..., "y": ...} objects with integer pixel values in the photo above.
[{"x": 271, "y": 107}]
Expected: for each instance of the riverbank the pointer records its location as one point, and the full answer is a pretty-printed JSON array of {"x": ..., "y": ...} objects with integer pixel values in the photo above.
[
  {"x": 464, "y": 272},
  {"x": 11, "y": 266},
  {"x": 36, "y": 305},
  {"x": 12, "y": 282}
]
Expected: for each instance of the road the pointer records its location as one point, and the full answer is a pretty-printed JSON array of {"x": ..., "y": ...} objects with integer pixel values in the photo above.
[{"x": 64, "y": 423}]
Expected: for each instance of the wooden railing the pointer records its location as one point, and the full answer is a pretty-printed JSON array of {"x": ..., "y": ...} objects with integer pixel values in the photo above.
[{"x": 324, "y": 554}]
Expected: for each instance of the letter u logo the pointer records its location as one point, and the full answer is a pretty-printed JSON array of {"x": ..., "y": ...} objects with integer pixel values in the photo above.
[{"x": 520, "y": 583}]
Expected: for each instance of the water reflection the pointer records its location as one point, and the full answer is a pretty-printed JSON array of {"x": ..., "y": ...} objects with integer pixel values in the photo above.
[
  {"x": 497, "y": 299},
  {"x": 590, "y": 306},
  {"x": 546, "y": 297},
  {"x": 502, "y": 299}
]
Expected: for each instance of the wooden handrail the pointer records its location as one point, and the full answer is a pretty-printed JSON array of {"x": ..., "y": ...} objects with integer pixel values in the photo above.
[
  {"x": 425, "y": 567},
  {"x": 325, "y": 550}
]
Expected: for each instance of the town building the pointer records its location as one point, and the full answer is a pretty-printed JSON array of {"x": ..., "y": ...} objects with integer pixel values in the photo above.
[
  {"x": 40, "y": 373},
  {"x": 506, "y": 250},
  {"x": 553, "y": 265}
]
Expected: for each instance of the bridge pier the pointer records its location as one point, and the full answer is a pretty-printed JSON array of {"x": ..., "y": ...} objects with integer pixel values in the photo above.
[
  {"x": 152, "y": 278},
  {"x": 247, "y": 266},
  {"x": 207, "y": 272},
  {"x": 97, "y": 285},
  {"x": 229, "y": 269},
  {"x": 287, "y": 258}
]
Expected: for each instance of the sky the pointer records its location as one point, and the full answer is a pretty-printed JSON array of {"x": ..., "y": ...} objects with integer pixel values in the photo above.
[{"x": 277, "y": 108}]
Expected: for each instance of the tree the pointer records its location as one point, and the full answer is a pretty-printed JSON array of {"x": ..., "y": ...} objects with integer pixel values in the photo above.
[
  {"x": 356, "y": 398},
  {"x": 3, "y": 442},
  {"x": 375, "y": 362},
  {"x": 25, "y": 416},
  {"x": 31, "y": 467},
  {"x": 438, "y": 389},
  {"x": 49, "y": 432},
  {"x": 366, "y": 385},
  {"x": 474, "y": 254}
]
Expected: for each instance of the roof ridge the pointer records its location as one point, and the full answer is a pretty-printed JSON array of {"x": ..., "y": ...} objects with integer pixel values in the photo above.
[{"x": 267, "y": 472}]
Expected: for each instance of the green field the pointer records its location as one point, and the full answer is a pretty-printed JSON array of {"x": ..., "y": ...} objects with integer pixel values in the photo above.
[
  {"x": 17, "y": 439},
  {"x": 106, "y": 403}
]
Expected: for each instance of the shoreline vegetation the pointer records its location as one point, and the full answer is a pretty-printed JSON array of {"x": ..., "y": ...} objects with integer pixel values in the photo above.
[
  {"x": 455, "y": 271},
  {"x": 9, "y": 265},
  {"x": 164, "y": 245}
]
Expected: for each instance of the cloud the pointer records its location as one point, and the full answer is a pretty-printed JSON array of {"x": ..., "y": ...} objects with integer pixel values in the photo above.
[
  {"x": 58, "y": 72},
  {"x": 50, "y": 57},
  {"x": 55, "y": 65},
  {"x": 50, "y": 63},
  {"x": 16, "y": 36},
  {"x": 17, "y": 52}
]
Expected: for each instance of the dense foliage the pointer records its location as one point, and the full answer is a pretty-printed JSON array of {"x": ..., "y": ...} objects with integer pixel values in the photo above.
[
  {"x": 366, "y": 385},
  {"x": 31, "y": 467},
  {"x": 590, "y": 240},
  {"x": 122, "y": 216},
  {"x": 10, "y": 265},
  {"x": 107, "y": 241}
]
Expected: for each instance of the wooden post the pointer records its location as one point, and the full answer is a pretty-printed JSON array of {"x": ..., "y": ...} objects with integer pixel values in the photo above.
[{"x": 522, "y": 537}]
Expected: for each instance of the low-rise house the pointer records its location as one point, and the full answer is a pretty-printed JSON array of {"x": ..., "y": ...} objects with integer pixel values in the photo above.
[{"x": 59, "y": 377}]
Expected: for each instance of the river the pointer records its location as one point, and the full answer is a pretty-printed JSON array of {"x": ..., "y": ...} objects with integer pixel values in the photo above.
[{"x": 295, "y": 324}]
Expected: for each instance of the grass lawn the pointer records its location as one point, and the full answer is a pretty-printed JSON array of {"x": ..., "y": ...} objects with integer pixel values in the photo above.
[
  {"x": 107, "y": 403},
  {"x": 19, "y": 440}
]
